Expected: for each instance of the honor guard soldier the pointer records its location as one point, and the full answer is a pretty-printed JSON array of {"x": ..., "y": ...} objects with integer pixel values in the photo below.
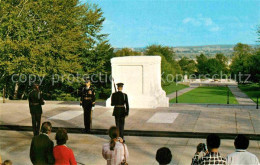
[
  {"x": 87, "y": 101},
  {"x": 35, "y": 104},
  {"x": 121, "y": 108}
]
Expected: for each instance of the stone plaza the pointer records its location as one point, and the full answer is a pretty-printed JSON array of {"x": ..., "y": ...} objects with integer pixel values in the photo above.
[{"x": 193, "y": 120}]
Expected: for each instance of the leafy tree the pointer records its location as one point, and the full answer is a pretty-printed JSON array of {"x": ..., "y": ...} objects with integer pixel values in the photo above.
[
  {"x": 202, "y": 64},
  {"x": 127, "y": 52},
  {"x": 188, "y": 66},
  {"x": 241, "y": 60},
  {"x": 49, "y": 37},
  {"x": 168, "y": 64}
]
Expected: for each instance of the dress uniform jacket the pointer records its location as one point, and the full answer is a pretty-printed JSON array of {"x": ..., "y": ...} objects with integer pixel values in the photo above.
[
  {"x": 120, "y": 101},
  {"x": 87, "y": 95},
  {"x": 35, "y": 102}
]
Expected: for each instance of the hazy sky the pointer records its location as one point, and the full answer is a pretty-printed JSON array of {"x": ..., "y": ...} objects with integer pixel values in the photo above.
[{"x": 138, "y": 23}]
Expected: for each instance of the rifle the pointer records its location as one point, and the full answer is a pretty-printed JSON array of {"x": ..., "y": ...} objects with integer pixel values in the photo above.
[{"x": 114, "y": 84}]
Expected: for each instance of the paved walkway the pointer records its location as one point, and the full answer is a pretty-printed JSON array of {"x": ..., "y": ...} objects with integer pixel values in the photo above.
[
  {"x": 180, "y": 92},
  {"x": 241, "y": 97},
  {"x": 177, "y": 118},
  {"x": 87, "y": 148}
]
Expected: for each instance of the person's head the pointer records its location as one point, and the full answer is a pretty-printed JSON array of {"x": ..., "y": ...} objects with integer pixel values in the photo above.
[
  {"x": 7, "y": 162},
  {"x": 113, "y": 134},
  {"x": 46, "y": 127},
  {"x": 87, "y": 83},
  {"x": 120, "y": 86},
  {"x": 61, "y": 136},
  {"x": 241, "y": 142},
  {"x": 213, "y": 141},
  {"x": 163, "y": 155}
]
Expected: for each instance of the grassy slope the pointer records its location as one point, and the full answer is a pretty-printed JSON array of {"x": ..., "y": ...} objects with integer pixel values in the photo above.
[
  {"x": 173, "y": 87},
  {"x": 216, "y": 95},
  {"x": 252, "y": 90}
]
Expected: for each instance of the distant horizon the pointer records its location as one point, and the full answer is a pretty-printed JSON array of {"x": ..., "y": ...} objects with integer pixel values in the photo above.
[
  {"x": 193, "y": 45},
  {"x": 138, "y": 23}
]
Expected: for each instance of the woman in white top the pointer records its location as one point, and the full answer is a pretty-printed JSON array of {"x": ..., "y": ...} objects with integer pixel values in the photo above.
[{"x": 115, "y": 152}]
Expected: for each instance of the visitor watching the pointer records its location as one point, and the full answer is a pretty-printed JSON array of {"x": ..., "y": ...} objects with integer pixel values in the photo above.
[
  {"x": 7, "y": 162},
  {"x": 41, "y": 151},
  {"x": 115, "y": 152},
  {"x": 63, "y": 154},
  {"x": 241, "y": 156},
  {"x": 212, "y": 156},
  {"x": 163, "y": 156}
]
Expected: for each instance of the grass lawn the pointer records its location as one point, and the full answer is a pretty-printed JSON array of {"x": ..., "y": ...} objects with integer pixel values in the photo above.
[
  {"x": 217, "y": 95},
  {"x": 252, "y": 90},
  {"x": 173, "y": 87}
]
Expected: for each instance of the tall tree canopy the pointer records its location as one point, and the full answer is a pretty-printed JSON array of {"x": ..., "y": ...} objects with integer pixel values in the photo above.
[
  {"x": 127, "y": 52},
  {"x": 47, "y": 37},
  {"x": 169, "y": 65}
]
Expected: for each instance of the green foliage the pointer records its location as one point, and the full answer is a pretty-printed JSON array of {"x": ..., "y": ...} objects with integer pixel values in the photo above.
[
  {"x": 212, "y": 66},
  {"x": 126, "y": 52},
  {"x": 188, "y": 66},
  {"x": 168, "y": 64},
  {"x": 49, "y": 37},
  {"x": 242, "y": 60}
]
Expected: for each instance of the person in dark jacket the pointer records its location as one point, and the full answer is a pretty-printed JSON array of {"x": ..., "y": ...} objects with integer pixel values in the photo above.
[
  {"x": 121, "y": 108},
  {"x": 41, "y": 151},
  {"x": 87, "y": 101},
  {"x": 35, "y": 104}
]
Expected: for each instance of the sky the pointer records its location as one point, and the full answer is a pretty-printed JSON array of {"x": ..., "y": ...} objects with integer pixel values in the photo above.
[{"x": 139, "y": 23}]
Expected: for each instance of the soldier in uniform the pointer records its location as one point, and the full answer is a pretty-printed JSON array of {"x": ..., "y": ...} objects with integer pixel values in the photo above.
[
  {"x": 87, "y": 101},
  {"x": 121, "y": 108},
  {"x": 35, "y": 104}
]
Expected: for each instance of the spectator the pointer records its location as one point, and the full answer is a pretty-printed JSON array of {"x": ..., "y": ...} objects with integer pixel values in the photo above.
[
  {"x": 212, "y": 155},
  {"x": 163, "y": 156},
  {"x": 115, "y": 152},
  {"x": 7, "y": 162},
  {"x": 41, "y": 151},
  {"x": 241, "y": 156},
  {"x": 63, "y": 154}
]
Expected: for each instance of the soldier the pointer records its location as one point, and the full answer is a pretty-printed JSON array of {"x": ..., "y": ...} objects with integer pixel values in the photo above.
[
  {"x": 87, "y": 101},
  {"x": 121, "y": 108},
  {"x": 35, "y": 103}
]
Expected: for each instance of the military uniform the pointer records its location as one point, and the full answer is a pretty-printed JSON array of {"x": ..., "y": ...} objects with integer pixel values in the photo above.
[
  {"x": 87, "y": 98},
  {"x": 35, "y": 104},
  {"x": 121, "y": 109}
]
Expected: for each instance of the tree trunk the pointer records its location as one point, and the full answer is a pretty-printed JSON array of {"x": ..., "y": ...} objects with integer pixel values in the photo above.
[
  {"x": 16, "y": 90},
  {"x": 4, "y": 94}
]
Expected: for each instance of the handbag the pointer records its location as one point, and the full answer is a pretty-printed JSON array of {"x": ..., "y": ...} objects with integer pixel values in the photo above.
[{"x": 124, "y": 161}]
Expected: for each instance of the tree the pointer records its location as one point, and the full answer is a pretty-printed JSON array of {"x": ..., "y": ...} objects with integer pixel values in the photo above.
[
  {"x": 241, "y": 60},
  {"x": 126, "y": 52},
  {"x": 47, "y": 37},
  {"x": 212, "y": 66},
  {"x": 223, "y": 62},
  {"x": 168, "y": 64},
  {"x": 202, "y": 64},
  {"x": 188, "y": 66}
]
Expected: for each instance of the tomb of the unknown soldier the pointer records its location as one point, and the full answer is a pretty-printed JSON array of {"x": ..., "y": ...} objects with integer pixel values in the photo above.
[{"x": 129, "y": 82}]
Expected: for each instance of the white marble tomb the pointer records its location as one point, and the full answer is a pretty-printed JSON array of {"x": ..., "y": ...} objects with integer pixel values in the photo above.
[{"x": 141, "y": 76}]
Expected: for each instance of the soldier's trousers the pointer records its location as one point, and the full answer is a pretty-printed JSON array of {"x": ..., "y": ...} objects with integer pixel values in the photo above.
[
  {"x": 36, "y": 123},
  {"x": 87, "y": 115},
  {"x": 120, "y": 124}
]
